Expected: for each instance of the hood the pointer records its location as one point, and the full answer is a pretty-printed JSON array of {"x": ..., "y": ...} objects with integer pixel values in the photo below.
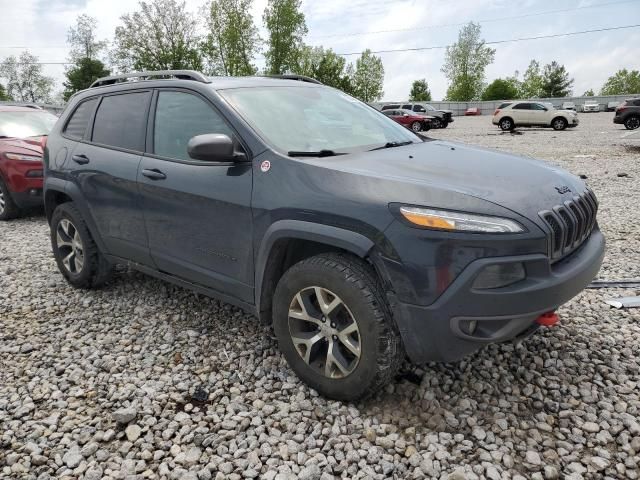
[
  {"x": 27, "y": 146},
  {"x": 427, "y": 173}
]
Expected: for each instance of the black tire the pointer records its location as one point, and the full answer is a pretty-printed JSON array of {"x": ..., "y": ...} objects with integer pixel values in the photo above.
[
  {"x": 437, "y": 122},
  {"x": 95, "y": 269},
  {"x": 416, "y": 126},
  {"x": 363, "y": 298},
  {"x": 559, "y": 123},
  {"x": 444, "y": 124},
  {"x": 506, "y": 124},
  {"x": 632, "y": 123},
  {"x": 8, "y": 208}
]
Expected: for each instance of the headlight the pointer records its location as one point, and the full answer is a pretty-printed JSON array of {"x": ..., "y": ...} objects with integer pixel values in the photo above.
[
  {"x": 459, "y": 221},
  {"x": 19, "y": 156}
]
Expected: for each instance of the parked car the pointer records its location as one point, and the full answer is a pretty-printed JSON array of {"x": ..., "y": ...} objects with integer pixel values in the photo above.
[
  {"x": 591, "y": 106},
  {"x": 611, "y": 106},
  {"x": 568, "y": 106},
  {"x": 472, "y": 111},
  {"x": 409, "y": 119},
  {"x": 532, "y": 114},
  {"x": 442, "y": 118},
  {"x": 628, "y": 113},
  {"x": 22, "y": 133},
  {"x": 361, "y": 248}
]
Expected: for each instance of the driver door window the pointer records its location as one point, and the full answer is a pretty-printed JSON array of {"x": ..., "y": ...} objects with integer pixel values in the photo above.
[{"x": 179, "y": 117}]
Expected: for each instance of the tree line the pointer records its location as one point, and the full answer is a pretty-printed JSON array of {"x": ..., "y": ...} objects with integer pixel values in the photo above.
[
  {"x": 221, "y": 40},
  {"x": 224, "y": 40},
  {"x": 466, "y": 62}
]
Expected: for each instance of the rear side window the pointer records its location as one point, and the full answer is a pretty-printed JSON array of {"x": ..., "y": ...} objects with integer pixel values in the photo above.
[
  {"x": 79, "y": 120},
  {"x": 522, "y": 106},
  {"x": 121, "y": 121},
  {"x": 179, "y": 117},
  {"x": 504, "y": 105},
  {"x": 406, "y": 107}
]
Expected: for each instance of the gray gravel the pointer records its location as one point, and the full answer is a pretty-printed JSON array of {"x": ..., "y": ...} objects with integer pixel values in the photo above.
[{"x": 101, "y": 384}]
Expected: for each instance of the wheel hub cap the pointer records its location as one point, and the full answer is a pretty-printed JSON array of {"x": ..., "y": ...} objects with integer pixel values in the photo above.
[
  {"x": 324, "y": 332},
  {"x": 70, "y": 246}
]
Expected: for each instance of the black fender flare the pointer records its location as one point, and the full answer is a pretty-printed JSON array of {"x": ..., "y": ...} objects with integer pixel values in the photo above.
[{"x": 348, "y": 240}]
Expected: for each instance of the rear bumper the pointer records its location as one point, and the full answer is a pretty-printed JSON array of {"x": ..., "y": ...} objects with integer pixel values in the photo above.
[{"x": 437, "y": 332}]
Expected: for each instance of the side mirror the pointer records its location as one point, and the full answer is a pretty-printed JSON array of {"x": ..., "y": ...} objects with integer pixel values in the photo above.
[
  {"x": 405, "y": 114},
  {"x": 211, "y": 147}
]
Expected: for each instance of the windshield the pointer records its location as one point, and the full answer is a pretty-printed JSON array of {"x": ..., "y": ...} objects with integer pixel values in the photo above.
[
  {"x": 23, "y": 124},
  {"x": 430, "y": 107},
  {"x": 312, "y": 119}
]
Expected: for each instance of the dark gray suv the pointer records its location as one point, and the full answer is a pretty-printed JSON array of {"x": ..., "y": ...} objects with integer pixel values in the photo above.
[{"x": 359, "y": 241}]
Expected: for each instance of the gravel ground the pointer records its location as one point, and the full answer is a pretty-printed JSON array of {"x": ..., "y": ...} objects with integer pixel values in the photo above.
[{"x": 145, "y": 380}]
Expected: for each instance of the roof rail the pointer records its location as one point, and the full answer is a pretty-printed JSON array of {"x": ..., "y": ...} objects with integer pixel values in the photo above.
[
  {"x": 292, "y": 76},
  {"x": 18, "y": 104},
  {"x": 181, "y": 74}
]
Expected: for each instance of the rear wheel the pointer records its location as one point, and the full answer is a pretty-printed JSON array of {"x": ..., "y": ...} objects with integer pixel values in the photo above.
[
  {"x": 559, "y": 123},
  {"x": 75, "y": 251},
  {"x": 8, "y": 208},
  {"x": 416, "y": 126},
  {"x": 334, "y": 327},
  {"x": 632, "y": 122},
  {"x": 506, "y": 124}
]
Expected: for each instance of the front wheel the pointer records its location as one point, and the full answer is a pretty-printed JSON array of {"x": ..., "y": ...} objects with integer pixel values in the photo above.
[
  {"x": 437, "y": 122},
  {"x": 334, "y": 327},
  {"x": 559, "y": 123},
  {"x": 506, "y": 124},
  {"x": 632, "y": 122},
  {"x": 75, "y": 251},
  {"x": 416, "y": 126},
  {"x": 8, "y": 209}
]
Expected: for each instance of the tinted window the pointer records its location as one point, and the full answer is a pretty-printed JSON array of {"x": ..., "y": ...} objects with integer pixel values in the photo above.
[
  {"x": 522, "y": 106},
  {"x": 121, "y": 121},
  {"x": 419, "y": 108},
  {"x": 406, "y": 107},
  {"x": 179, "y": 117},
  {"x": 77, "y": 124},
  {"x": 537, "y": 106},
  {"x": 504, "y": 105},
  {"x": 390, "y": 107}
]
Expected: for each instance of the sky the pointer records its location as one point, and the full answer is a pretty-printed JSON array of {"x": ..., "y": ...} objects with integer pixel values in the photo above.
[{"x": 349, "y": 26}]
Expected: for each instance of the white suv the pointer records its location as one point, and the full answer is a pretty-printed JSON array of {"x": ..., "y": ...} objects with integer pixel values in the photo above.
[{"x": 510, "y": 115}]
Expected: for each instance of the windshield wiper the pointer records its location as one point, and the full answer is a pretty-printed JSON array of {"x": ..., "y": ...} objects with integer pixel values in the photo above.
[
  {"x": 392, "y": 145},
  {"x": 319, "y": 153}
]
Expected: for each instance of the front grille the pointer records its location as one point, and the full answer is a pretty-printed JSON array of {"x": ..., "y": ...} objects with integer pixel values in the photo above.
[{"x": 570, "y": 223}]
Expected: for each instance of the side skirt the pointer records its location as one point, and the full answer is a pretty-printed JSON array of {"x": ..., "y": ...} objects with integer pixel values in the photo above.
[{"x": 167, "y": 277}]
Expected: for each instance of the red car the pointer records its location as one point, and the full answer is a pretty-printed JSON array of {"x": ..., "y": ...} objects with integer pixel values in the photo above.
[
  {"x": 471, "y": 111},
  {"x": 23, "y": 133},
  {"x": 410, "y": 119}
]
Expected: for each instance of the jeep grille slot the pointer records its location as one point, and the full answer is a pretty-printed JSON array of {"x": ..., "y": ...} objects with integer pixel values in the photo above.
[{"x": 570, "y": 224}]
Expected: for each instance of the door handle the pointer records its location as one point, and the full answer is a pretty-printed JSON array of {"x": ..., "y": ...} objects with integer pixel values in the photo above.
[
  {"x": 153, "y": 174},
  {"x": 80, "y": 159}
]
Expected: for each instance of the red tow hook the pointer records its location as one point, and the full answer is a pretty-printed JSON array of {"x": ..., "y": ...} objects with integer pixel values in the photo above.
[{"x": 548, "y": 319}]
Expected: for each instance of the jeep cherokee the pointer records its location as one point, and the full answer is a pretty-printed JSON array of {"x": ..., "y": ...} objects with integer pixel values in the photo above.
[{"x": 359, "y": 241}]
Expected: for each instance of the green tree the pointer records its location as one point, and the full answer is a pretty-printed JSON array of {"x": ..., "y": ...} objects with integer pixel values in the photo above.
[
  {"x": 161, "y": 35},
  {"x": 501, "y": 89},
  {"x": 420, "y": 91},
  {"x": 465, "y": 64},
  {"x": 325, "y": 66},
  {"x": 82, "y": 39},
  {"x": 368, "y": 77},
  {"x": 287, "y": 27},
  {"x": 3, "y": 94},
  {"x": 531, "y": 86},
  {"x": 232, "y": 39},
  {"x": 588, "y": 93},
  {"x": 25, "y": 80},
  {"x": 82, "y": 75},
  {"x": 556, "y": 81},
  {"x": 622, "y": 83}
]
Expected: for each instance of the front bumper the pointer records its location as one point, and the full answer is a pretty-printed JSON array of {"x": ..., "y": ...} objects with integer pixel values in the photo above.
[
  {"x": 618, "y": 119},
  {"x": 437, "y": 332}
]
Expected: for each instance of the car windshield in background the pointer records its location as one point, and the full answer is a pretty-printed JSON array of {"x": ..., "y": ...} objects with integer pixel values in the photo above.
[
  {"x": 430, "y": 107},
  {"x": 26, "y": 124},
  {"x": 312, "y": 119}
]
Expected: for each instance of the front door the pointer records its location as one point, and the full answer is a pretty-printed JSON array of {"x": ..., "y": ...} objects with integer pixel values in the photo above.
[
  {"x": 105, "y": 168},
  {"x": 198, "y": 214}
]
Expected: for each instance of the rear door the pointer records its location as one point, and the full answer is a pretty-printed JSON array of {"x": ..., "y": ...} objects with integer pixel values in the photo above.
[
  {"x": 105, "y": 167},
  {"x": 520, "y": 113},
  {"x": 198, "y": 214}
]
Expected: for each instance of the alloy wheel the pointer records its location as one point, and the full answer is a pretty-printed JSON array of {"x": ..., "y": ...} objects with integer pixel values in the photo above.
[
  {"x": 2, "y": 202},
  {"x": 633, "y": 123},
  {"x": 324, "y": 332},
  {"x": 70, "y": 246}
]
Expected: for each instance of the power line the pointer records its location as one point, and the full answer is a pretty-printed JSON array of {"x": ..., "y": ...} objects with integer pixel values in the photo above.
[
  {"x": 495, "y": 42},
  {"x": 489, "y": 20}
]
